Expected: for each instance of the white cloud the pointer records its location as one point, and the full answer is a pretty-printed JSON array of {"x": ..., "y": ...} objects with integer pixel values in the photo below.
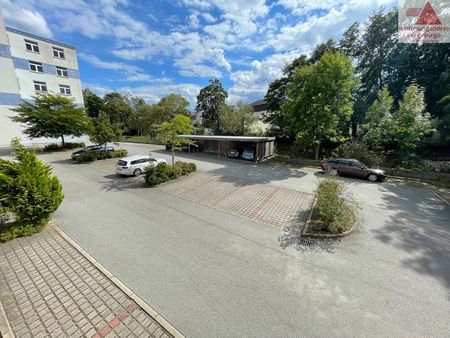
[{"x": 24, "y": 19}]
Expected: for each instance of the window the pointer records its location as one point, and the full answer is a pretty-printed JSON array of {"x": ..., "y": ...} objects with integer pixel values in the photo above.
[
  {"x": 36, "y": 67},
  {"x": 58, "y": 53},
  {"x": 61, "y": 71},
  {"x": 31, "y": 46},
  {"x": 65, "y": 90},
  {"x": 40, "y": 86}
]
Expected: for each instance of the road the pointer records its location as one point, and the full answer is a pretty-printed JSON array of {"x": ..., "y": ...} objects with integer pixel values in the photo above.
[{"x": 214, "y": 274}]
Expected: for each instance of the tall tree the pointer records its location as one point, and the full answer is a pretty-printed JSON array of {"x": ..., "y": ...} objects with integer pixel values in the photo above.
[
  {"x": 169, "y": 131},
  {"x": 320, "y": 101},
  {"x": 378, "y": 129},
  {"x": 53, "y": 116},
  {"x": 277, "y": 94},
  {"x": 237, "y": 119},
  {"x": 350, "y": 43},
  {"x": 174, "y": 104},
  {"x": 92, "y": 103},
  {"x": 105, "y": 131},
  {"x": 412, "y": 122},
  {"x": 118, "y": 108},
  {"x": 209, "y": 101},
  {"x": 326, "y": 47}
]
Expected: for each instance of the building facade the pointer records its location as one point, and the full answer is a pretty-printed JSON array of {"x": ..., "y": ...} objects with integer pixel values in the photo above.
[{"x": 30, "y": 64}]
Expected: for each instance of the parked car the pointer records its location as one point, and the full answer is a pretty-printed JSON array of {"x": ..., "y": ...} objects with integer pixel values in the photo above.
[
  {"x": 354, "y": 168},
  {"x": 233, "y": 153},
  {"x": 248, "y": 154},
  {"x": 135, "y": 165},
  {"x": 99, "y": 148}
]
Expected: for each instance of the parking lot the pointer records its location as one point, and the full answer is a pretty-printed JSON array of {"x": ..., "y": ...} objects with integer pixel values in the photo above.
[{"x": 212, "y": 269}]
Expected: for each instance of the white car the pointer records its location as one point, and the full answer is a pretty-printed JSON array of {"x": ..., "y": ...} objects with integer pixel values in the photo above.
[{"x": 135, "y": 165}]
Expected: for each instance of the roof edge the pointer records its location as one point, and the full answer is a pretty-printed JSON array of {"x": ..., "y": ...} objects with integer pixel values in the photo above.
[{"x": 37, "y": 37}]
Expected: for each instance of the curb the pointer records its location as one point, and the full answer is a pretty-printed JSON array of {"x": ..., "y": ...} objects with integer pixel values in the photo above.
[
  {"x": 439, "y": 195},
  {"x": 5, "y": 329},
  {"x": 147, "y": 308}
]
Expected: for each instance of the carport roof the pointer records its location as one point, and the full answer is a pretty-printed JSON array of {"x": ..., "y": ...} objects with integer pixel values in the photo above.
[{"x": 228, "y": 138}]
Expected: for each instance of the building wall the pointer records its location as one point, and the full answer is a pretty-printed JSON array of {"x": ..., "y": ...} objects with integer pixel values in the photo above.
[{"x": 16, "y": 78}]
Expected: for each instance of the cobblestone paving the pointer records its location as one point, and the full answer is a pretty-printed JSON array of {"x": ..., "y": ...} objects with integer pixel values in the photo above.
[
  {"x": 48, "y": 289},
  {"x": 277, "y": 206}
]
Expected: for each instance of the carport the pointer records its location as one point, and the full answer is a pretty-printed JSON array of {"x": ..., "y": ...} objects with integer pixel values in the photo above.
[{"x": 262, "y": 147}]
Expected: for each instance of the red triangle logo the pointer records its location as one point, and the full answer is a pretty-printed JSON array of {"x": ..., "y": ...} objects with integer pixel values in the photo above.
[{"x": 428, "y": 16}]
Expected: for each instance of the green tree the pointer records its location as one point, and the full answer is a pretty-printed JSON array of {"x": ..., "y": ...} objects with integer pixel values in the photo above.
[
  {"x": 321, "y": 49},
  {"x": 412, "y": 122},
  {"x": 92, "y": 103},
  {"x": 379, "y": 126},
  {"x": 118, "y": 108},
  {"x": 174, "y": 104},
  {"x": 169, "y": 131},
  {"x": 320, "y": 101},
  {"x": 209, "y": 101},
  {"x": 350, "y": 43},
  {"x": 53, "y": 116},
  {"x": 237, "y": 119},
  {"x": 28, "y": 190},
  {"x": 105, "y": 131},
  {"x": 443, "y": 125},
  {"x": 277, "y": 94}
]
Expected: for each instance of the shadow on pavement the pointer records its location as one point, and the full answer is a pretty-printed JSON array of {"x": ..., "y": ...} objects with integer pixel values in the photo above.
[
  {"x": 115, "y": 182},
  {"x": 419, "y": 226}
]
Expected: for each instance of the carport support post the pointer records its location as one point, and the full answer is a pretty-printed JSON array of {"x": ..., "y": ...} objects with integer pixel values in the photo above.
[
  {"x": 218, "y": 149},
  {"x": 257, "y": 152}
]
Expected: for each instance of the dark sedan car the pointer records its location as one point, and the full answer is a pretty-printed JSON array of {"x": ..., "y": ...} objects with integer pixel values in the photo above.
[
  {"x": 99, "y": 148},
  {"x": 233, "y": 153},
  {"x": 353, "y": 168}
]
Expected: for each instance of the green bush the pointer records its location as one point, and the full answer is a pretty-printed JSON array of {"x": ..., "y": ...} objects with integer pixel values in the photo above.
[
  {"x": 67, "y": 145},
  {"x": 29, "y": 191},
  {"x": 358, "y": 150},
  {"x": 163, "y": 172},
  {"x": 158, "y": 174},
  {"x": 91, "y": 156},
  {"x": 336, "y": 213}
]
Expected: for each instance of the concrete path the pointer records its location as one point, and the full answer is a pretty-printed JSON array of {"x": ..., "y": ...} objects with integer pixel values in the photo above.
[
  {"x": 49, "y": 289},
  {"x": 212, "y": 273}
]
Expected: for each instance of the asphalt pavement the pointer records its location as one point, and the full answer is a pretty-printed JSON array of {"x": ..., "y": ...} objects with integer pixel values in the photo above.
[{"x": 214, "y": 274}]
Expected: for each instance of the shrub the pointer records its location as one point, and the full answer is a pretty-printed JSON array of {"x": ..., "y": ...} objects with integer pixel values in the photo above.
[
  {"x": 358, "y": 150},
  {"x": 29, "y": 191},
  {"x": 192, "y": 167},
  {"x": 163, "y": 172},
  {"x": 336, "y": 213},
  {"x": 91, "y": 156},
  {"x": 157, "y": 175},
  {"x": 67, "y": 145}
]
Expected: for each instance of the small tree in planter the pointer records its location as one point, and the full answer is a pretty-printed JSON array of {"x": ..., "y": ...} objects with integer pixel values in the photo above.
[{"x": 168, "y": 133}]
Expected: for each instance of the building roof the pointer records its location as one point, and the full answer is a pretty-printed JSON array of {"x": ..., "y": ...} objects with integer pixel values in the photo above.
[
  {"x": 13, "y": 30},
  {"x": 258, "y": 102},
  {"x": 228, "y": 138}
]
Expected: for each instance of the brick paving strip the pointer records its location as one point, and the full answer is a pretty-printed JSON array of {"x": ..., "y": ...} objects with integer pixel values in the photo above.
[
  {"x": 50, "y": 287},
  {"x": 277, "y": 206}
]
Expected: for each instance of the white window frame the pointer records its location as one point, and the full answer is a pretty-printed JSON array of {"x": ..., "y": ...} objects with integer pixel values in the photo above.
[
  {"x": 60, "y": 53},
  {"x": 61, "y": 71},
  {"x": 65, "y": 90},
  {"x": 33, "y": 46},
  {"x": 42, "y": 86},
  {"x": 36, "y": 67}
]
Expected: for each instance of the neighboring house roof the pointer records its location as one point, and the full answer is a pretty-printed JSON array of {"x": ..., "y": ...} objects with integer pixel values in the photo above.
[
  {"x": 259, "y": 105},
  {"x": 258, "y": 102}
]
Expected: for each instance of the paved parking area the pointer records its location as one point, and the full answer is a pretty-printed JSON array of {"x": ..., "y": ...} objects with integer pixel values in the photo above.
[
  {"x": 49, "y": 289},
  {"x": 267, "y": 203}
]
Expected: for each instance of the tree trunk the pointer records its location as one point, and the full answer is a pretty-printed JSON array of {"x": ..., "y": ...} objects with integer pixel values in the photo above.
[
  {"x": 173, "y": 156},
  {"x": 63, "y": 142},
  {"x": 316, "y": 151}
]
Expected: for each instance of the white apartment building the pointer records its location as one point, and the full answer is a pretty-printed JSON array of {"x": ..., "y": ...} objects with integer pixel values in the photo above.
[{"x": 31, "y": 64}]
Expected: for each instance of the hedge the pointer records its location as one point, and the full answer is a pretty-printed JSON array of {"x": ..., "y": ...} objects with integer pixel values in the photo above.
[
  {"x": 91, "y": 156},
  {"x": 163, "y": 172},
  {"x": 67, "y": 145}
]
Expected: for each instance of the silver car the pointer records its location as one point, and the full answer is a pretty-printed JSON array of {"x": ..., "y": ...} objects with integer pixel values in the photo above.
[{"x": 136, "y": 165}]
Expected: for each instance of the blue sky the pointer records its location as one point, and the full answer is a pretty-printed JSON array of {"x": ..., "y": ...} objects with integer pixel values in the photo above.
[{"x": 157, "y": 47}]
